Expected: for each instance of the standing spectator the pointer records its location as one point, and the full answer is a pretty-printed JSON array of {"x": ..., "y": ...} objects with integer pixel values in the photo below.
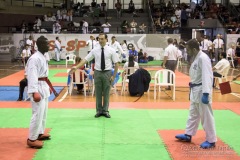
[
  {"x": 105, "y": 56},
  {"x": 30, "y": 43},
  {"x": 106, "y": 27},
  {"x": 170, "y": 57},
  {"x": 118, "y": 7},
  {"x": 125, "y": 50},
  {"x": 39, "y": 91},
  {"x": 218, "y": 46},
  {"x": 57, "y": 49},
  {"x": 22, "y": 84},
  {"x": 204, "y": 44},
  {"x": 181, "y": 47},
  {"x": 200, "y": 97},
  {"x": 26, "y": 53},
  {"x": 56, "y": 27},
  {"x": 84, "y": 26},
  {"x": 91, "y": 43}
]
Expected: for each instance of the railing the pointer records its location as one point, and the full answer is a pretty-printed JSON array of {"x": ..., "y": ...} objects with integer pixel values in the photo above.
[{"x": 35, "y": 3}]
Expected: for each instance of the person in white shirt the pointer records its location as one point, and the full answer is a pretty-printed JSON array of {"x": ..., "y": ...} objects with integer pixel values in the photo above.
[
  {"x": 37, "y": 24},
  {"x": 29, "y": 42},
  {"x": 84, "y": 27},
  {"x": 39, "y": 91},
  {"x": 133, "y": 26},
  {"x": 201, "y": 76},
  {"x": 117, "y": 47},
  {"x": 105, "y": 57},
  {"x": 106, "y": 27},
  {"x": 218, "y": 46},
  {"x": 210, "y": 48},
  {"x": 91, "y": 43},
  {"x": 170, "y": 57},
  {"x": 25, "y": 54},
  {"x": 57, "y": 49},
  {"x": 220, "y": 67},
  {"x": 231, "y": 56},
  {"x": 56, "y": 27},
  {"x": 205, "y": 45},
  {"x": 125, "y": 50}
]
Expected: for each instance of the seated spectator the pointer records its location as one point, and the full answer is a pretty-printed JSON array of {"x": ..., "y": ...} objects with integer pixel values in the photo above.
[
  {"x": 79, "y": 86},
  {"x": 142, "y": 28},
  {"x": 103, "y": 6},
  {"x": 231, "y": 55},
  {"x": 56, "y": 27},
  {"x": 130, "y": 63},
  {"x": 131, "y": 7},
  {"x": 106, "y": 27},
  {"x": 219, "y": 68},
  {"x": 133, "y": 26},
  {"x": 22, "y": 84},
  {"x": 142, "y": 57},
  {"x": 133, "y": 53},
  {"x": 124, "y": 26},
  {"x": 93, "y": 4}
]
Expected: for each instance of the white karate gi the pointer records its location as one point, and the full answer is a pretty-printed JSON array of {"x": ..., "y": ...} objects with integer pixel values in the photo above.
[
  {"x": 117, "y": 47},
  {"x": 57, "y": 50},
  {"x": 37, "y": 67},
  {"x": 201, "y": 72}
]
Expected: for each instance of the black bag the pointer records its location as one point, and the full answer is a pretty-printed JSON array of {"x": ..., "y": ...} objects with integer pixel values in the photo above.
[
  {"x": 139, "y": 82},
  {"x": 150, "y": 58}
]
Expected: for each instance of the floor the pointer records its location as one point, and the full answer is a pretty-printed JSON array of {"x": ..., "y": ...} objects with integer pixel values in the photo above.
[{"x": 139, "y": 128}]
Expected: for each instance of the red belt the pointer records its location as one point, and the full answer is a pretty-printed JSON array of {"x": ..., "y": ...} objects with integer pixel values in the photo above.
[{"x": 49, "y": 84}]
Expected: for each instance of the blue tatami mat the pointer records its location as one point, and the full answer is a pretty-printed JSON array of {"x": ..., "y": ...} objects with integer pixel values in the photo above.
[{"x": 11, "y": 93}]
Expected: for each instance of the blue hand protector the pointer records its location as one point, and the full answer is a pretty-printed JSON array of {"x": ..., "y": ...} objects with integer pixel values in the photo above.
[{"x": 205, "y": 98}]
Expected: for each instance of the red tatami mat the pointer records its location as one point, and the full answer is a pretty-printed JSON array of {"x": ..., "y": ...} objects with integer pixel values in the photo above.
[
  {"x": 62, "y": 74},
  {"x": 14, "y": 144},
  {"x": 191, "y": 151},
  {"x": 13, "y": 79}
]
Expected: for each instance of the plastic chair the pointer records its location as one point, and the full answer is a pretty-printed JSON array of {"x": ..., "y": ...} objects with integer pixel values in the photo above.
[
  {"x": 79, "y": 79},
  {"x": 70, "y": 58},
  {"x": 230, "y": 59},
  {"x": 161, "y": 79},
  {"x": 128, "y": 71},
  {"x": 179, "y": 62}
]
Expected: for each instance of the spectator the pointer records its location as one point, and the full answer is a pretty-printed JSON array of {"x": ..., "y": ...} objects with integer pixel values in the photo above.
[
  {"x": 84, "y": 26},
  {"x": 220, "y": 67},
  {"x": 124, "y": 26},
  {"x": 106, "y": 27},
  {"x": 133, "y": 53},
  {"x": 133, "y": 26},
  {"x": 118, "y": 7},
  {"x": 131, "y": 7},
  {"x": 56, "y": 27}
]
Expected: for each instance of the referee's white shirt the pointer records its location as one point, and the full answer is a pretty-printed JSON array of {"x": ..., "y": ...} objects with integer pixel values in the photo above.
[
  {"x": 109, "y": 54},
  {"x": 171, "y": 52}
]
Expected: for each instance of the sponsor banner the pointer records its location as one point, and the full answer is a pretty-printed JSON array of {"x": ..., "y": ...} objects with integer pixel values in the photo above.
[{"x": 153, "y": 44}]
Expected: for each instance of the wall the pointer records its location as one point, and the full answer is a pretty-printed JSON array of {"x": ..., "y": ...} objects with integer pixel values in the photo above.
[{"x": 76, "y": 43}]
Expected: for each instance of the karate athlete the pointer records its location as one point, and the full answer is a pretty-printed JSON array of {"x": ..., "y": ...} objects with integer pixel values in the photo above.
[
  {"x": 57, "y": 49},
  {"x": 117, "y": 47},
  {"x": 39, "y": 91},
  {"x": 200, "y": 97}
]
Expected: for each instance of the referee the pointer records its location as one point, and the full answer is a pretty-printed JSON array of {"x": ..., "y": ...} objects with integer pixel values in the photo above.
[{"x": 104, "y": 56}]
